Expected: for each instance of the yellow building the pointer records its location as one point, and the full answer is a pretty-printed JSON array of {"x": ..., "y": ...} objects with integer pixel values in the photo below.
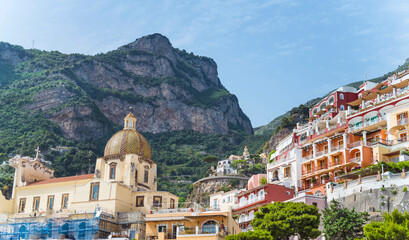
[
  {"x": 190, "y": 223},
  {"x": 114, "y": 199}
]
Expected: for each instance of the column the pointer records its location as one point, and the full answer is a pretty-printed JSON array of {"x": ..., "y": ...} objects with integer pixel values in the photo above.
[
  {"x": 378, "y": 98},
  {"x": 314, "y": 148},
  {"x": 329, "y": 145},
  {"x": 316, "y": 129},
  {"x": 327, "y": 124},
  {"x": 339, "y": 119},
  {"x": 177, "y": 231},
  {"x": 197, "y": 229},
  {"x": 394, "y": 92},
  {"x": 217, "y": 229},
  {"x": 344, "y": 138},
  {"x": 364, "y": 137},
  {"x": 308, "y": 131}
]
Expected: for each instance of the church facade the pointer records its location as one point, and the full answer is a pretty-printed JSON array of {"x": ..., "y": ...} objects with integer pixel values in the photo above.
[{"x": 115, "y": 198}]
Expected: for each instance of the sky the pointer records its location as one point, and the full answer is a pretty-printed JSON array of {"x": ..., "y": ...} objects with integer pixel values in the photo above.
[{"x": 273, "y": 55}]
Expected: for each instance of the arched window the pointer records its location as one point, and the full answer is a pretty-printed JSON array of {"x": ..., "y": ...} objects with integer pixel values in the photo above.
[
  {"x": 23, "y": 232},
  {"x": 341, "y": 96},
  {"x": 342, "y": 108},
  {"x": 261, "y": 195},
  {"x": 331, "y": 100},
  {"x": 275, "y": 176},
  {"x": 251, "y": 215},
  {"x": 209, "y": 226},
  {"x": 64, "y": 230}
]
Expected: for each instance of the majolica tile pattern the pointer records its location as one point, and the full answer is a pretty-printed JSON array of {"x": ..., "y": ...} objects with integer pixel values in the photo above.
[{"x": 128, "y": 141}]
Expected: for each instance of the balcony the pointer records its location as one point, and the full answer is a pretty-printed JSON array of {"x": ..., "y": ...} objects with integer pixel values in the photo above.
[
  {"x": 356, "y": 160},
  {"x": 323, "y": 166},
  {"x": 245, "y": 218},
  {"x": 336, "y": 148},
  {"x": 306, "y": 171},
  {"x": 306, "y": 158},
  {"x": 356, "y": 144},
  {"x": 320, "y": 153},
  {"x": 335, "y": 163}
]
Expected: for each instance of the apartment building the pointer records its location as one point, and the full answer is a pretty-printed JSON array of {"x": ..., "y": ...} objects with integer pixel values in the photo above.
[
  {"x": 347, "y": 130},
  {"x": 258, "y": 195}
]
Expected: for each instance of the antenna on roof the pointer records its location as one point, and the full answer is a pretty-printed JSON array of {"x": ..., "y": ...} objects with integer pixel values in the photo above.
[{"x": 32, "y": 46}]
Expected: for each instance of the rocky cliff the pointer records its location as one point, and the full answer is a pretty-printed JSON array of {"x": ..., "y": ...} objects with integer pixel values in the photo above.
[{"x": 169, "y": 89}]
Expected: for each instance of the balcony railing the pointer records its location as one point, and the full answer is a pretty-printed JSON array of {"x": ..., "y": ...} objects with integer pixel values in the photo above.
[
  {"x": 306, "y": 171},
  {"x": 335, "y": 163},
  {"x": 356, "y": 144},
  {"x": 355, "y": 160},
  {"x": 320, "y": 153},
  {"x": 323, "y": 166},
  {"x": 336, "y": 148},
  {"x": 306, "y": 158}
]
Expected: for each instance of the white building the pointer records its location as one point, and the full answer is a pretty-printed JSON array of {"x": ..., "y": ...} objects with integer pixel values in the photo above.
[
  {"x": 224, "y": 167},
  {"x": 224, "y": 201},
  {"x": 285, "y": 164}
]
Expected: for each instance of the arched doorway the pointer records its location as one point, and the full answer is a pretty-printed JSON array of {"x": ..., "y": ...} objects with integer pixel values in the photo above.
[{"x": 81, "y": 230}]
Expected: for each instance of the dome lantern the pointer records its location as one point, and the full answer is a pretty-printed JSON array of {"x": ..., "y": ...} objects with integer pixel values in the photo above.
[
  {"x": 130, "y": 121},
  {"x": 128, "y": 141}
]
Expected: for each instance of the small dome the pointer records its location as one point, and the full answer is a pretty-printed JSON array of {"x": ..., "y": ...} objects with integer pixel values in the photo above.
[{"x": 128, "y": 141}]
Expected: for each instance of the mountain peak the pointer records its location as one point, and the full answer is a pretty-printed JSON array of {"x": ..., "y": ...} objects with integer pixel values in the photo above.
[{"x": 156, "y": 44}]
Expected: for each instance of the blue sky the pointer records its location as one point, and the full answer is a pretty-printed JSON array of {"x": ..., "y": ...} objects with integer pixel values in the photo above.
[{"x": 273, "y": 55}]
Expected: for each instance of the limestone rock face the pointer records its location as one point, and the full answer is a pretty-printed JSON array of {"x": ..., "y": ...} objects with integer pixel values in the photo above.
[{"x": 169, "y": 89}]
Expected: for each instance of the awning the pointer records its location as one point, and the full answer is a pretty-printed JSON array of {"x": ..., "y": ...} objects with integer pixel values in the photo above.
[
  {"x": 379, "y": 86},
  {"x": 158, "y": 219},
  {"x": 321, "y": 112},
  {"x": 355, "y": 102},
  {"x": 386, "y": 90},
  {"x": 329, "y": 106},
  {"x": 390, "y": 154},
  {"x": 370, "y": 96},
  {"x": 401, "y": 84}
]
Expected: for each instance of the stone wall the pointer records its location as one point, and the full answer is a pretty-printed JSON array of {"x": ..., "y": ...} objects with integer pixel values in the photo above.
[{"x": 374, "y": 194}]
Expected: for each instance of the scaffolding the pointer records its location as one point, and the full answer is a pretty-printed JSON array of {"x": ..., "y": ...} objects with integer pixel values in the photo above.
[{"x": 50, "y": 228}]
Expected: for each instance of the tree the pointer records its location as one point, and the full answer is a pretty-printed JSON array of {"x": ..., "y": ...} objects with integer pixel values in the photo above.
[
  {"x": 284, "y": 220},
  {"x": 341, "y": 223},
  {"x": 263, "y": 181},
  {"x": 394, "y": 226},
  {"x": 210, "y": 159},
  {"x": 251, "y": 235}
]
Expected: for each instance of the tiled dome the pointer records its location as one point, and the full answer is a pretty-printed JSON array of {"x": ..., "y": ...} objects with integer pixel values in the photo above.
[{"x": 128, "y": 141}]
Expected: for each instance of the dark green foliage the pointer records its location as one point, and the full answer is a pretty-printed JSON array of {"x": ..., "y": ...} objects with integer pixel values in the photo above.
[
  {"x": 281, "y": 221},
  {"x": 394, "y": 226},
  {"x": 288, "y": 119},
  {"x": 341, "y": 223},
  {"x": 244, "y": 167},
  {"x": 251, "y": 235},
  {"x": 210, "y": 159},
  {"x": 6, "y": 180}
]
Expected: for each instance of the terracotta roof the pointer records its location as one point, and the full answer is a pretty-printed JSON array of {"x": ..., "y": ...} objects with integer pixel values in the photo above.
[{"x": 64, "y": 179}]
